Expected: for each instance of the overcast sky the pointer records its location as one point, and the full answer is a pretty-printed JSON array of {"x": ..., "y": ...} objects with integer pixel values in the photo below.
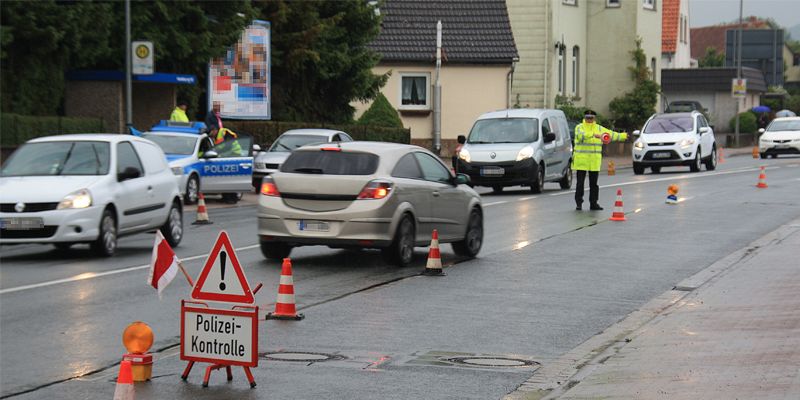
[{"x": 712, "y": 12}]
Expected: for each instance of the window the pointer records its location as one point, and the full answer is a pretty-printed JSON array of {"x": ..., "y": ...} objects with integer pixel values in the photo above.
[
  {"x": 575, "y": 70},
  {"x": 505, "y": 130},
  {"x": 58, "y": 158},
  {"x": 331, "y": 163},
  {"x": 570, "y": 2},
  {"x": 407, "y": 167},
  {"x": 561, "y": 71},
  {"x": 612, "y": 3},
  {"x": 649, "y": 4},
  {"x": 414, "y": 93},
  {"x": 432, "y": 169},
  {"x": 127, "y": 158},
  {"x": 653, "y": 67}
]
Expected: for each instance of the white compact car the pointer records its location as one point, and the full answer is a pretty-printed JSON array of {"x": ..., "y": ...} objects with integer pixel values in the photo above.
[
  {"x": 782, "y": 136},
  {"x": 675, "y": 139},
  {"x": 88, "y": 188}
]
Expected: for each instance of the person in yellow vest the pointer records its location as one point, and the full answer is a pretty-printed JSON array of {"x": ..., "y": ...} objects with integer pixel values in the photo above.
[
  {"x": 587, "y": 157},
  {"x": 179, "y": 113},
  {"x": 226, "y": 142}
]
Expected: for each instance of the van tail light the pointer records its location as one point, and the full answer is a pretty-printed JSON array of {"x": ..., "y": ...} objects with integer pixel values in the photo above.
[
  {"x": 376, "y": 190},
  {"x": 268, "y": 187}
]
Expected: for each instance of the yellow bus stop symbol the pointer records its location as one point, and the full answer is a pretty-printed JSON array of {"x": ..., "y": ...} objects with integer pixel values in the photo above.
[{"x": 142, "y": 51}]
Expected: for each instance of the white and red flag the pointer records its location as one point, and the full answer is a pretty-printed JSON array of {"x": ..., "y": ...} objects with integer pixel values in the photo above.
[{"x": 163, "y": 265}]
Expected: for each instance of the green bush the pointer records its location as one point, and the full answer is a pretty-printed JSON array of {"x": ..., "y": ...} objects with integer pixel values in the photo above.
[
  {"x": 748, "y": 122},
  {"x": 381, "y": 113},
  {"x": 17, "y": 129},
  {"x": 267, "y": 131}
]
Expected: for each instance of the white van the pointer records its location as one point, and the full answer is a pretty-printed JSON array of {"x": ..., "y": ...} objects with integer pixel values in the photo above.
[{"x": 513, "y": 147}]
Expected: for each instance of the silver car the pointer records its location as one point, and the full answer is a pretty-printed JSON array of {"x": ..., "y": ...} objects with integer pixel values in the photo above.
[
  {"x": 270, "y": 161},
  {"x": 371, "y": 195}
]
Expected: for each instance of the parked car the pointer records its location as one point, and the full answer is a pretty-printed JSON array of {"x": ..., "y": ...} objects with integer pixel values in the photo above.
[
  {"x": 270, "y": 161},
  {"x": 88, "y": 188},
  {"x": 674, "y": 139},
  {"x": 688, "y": 106},
  {"x": 782, "y": 136},
  {"x": 200, "y": 165},
  {"x": 367, "y": 195},
  {"x": 518, "y": 147}
]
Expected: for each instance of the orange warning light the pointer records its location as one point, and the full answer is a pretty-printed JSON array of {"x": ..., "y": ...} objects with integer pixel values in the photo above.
[
  {"x": 137, "y": 337},
  {"x": 672, "y": 190}
]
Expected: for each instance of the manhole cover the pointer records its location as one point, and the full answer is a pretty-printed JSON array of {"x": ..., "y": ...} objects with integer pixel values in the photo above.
[
  {"x": 492, "y": 361},
  {"x": 301, "y": 356}
]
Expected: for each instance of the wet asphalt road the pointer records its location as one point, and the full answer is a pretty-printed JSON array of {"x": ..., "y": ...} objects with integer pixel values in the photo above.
[{"x": 547, "y": 279}]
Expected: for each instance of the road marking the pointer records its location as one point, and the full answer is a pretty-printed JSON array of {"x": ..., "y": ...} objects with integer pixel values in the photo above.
[
  {"x": 91, "y": 275},
  {"x": 495, "y": 203}
]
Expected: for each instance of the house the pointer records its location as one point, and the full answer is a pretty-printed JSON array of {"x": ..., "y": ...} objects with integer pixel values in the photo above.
[
  {"x": 478, "y": 56},
  {"x": 712, "y": 88},
  {"x": 675, "y": 38},
  {"x": 581, "y": 49},
  {"x": 792, "y": 73}
]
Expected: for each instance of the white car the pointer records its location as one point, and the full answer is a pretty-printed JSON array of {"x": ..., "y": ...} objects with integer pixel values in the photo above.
[
  {"x": 782, "y": 136},
  {"x": 88, "y": 188},
  {"x": 675, "y": 139},
  {"x": 270, "y": 161}
]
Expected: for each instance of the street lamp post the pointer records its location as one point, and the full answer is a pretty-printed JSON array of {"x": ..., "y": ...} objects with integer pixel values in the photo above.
[
  {"x": 739, "y": 69},
  {"x": 128, "y": 85}
]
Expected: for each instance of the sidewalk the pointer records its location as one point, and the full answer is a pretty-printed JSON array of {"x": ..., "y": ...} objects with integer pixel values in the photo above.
[{"x": 734, "y": 334}]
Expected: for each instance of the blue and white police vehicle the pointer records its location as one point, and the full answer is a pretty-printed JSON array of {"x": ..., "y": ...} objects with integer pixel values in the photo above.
[{"x": 200, "y": 165}]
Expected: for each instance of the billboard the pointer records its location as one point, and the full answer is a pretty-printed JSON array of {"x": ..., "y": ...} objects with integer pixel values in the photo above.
[{"x": 240, "y": 81}]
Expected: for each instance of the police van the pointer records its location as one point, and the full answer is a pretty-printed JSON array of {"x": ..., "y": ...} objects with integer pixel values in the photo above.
[{"x": 199, "y": 165}]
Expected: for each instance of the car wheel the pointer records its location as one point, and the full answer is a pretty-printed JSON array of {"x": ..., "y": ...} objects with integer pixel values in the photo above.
[
  {"x": 106, "y": 243},
  {"x": 655, "y": 170},
  {"x": 63, "y": 246},
  {"x": 774, "y": 155},
  {"x": 471, "y": 245},
  {"x": 231, "y": 198},
  {"x": 566, "y": 180},
  {"x": 497, "y": 189},
  {"x": 638, "y": 169},
  {"x": 695, "y": 167},
  {"x": 536, "y": 185},
  {"x": 711, "y": 164},
  {"x": 173, "y": 227},
  {"x": 763, "y": 156},
  {"x": 275, "y": 251},
  {"x": 401, "y": 251},
  {"x": 192, "y": 190}
]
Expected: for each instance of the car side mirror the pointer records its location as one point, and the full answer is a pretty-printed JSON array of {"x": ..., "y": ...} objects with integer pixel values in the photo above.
[
  {"x": 704, "y": 129},
  {"x": 711, "y": 126},
  {"x": 637, "y": 132},
  {"x": 129, "y": 173},
  {"x": 210, "y": 154},
  {"x": 256, "y": 148},
  {"x": 761, "y": 130},
  {"x": 461, "y": 179},
  {"x": 461, "y": 139},
  {"x": 549, "y": 137}
]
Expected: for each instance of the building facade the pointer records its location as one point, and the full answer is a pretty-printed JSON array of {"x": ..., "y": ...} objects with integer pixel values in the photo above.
[{"x": 676, "y": 45}]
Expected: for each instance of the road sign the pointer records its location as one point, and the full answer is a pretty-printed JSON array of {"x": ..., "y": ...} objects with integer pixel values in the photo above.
[
  {"x": 216, "y": 336},
  {"x": 222, "y": 277},
  {"x": 739, "y": 87},
  {"x": 142, "y": 60}
]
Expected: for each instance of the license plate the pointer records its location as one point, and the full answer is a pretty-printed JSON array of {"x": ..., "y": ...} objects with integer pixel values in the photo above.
[
  {"x": 21, "y": 224},
  {"x": 781, "y": 146},
  {"x": 661, "y": 155},
  {"x": 313, "y": 226},
  {"x": 492, "y": 171}
]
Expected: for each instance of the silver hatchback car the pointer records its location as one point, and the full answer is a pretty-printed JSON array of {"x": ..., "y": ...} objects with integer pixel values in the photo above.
[{"x": 369, "y": 195}]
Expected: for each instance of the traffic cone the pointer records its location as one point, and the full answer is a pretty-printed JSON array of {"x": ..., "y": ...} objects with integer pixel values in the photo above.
[
  {"x": 762, "y": 179},
  {"x": 124, "y": 389},
  {"x": 202, "y": 214},
  {"x": 434, "y": 265},
  {"x": 672, "y": 194},
  {"x": 721, "y": 155},
  {"x": 284, "y": 306},
  {"x": 612, "y": 170},
  {"x": 755, "y": 152},
  {"x": 618, "y": 214}
]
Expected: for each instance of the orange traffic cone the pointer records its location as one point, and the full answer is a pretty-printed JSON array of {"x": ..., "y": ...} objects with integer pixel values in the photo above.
[
  {"x": 124, "y": 389},
  {"x": 721, "y": 155},
  {"x": 618, "y": 214},
  {"x": 284, "y": 306},
  {"x": 434, "y": 265},
  {"x": 202, "y": 214},
  {"x": 755, "y": 152},
  {"x": 762, "y": 179}
]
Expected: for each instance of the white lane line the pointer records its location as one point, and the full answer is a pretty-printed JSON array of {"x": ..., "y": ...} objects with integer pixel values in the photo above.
[
  {"x": 495, "y": 203},
  {"x": 92, "y": 275}
]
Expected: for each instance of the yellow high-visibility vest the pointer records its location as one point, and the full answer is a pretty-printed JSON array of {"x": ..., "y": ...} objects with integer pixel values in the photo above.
[{"x": 588, "y": 151}]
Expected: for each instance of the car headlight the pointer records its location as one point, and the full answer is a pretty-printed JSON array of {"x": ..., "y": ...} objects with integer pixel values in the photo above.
[
  {"x": 464, "y": 155},
  {"x": 525, "y": 152},
  {"x": 78, "y": 199},
  {"x": 177, "y": 170},
  {"x": 686, "y": 143},
  {"x": 638, "y": 144}
]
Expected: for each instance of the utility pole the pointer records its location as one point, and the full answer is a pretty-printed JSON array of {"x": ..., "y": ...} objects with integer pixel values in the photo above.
[
  {"x": 437, "y": 93},
  {"x": 738, "y": 69},
  {"x": 128, "y": 84}
]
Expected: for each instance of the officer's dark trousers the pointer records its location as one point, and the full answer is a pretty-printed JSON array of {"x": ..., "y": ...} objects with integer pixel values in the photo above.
[{"x": 593, "y": 188}]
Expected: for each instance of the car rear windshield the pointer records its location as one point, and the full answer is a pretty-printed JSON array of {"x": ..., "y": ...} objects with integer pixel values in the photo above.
[
  {"x": 331, "y": 163},
  {"x": 784, "y": 126},
  {"x": 669, "y": 125},
  {"x": 58, "y": 158},
  {"x": 504, "y": 130},
  {"x": 287, "y": 143},
  {"x": 173, "y": 144}
]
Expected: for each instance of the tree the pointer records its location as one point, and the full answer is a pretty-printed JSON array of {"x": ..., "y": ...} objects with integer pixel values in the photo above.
[
  {"x": 381, "y": 113},
  {"x": 320, "y": 62},
  {"x": 632, "y": 109},
  {"x": 712, "y": 58}
]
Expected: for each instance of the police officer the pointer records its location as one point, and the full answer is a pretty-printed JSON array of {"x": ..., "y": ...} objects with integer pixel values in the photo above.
[
  {"x": 226, "y": 142},
  {"x": 179, "y": 113},
  {"x": 588, "y": 156}
]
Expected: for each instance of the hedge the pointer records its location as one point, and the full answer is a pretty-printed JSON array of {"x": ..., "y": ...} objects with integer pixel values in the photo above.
[
  {"x": 748, "y": 123},
  {"x": 267, "y": 131},
  {"x": 17, "y": 129}
]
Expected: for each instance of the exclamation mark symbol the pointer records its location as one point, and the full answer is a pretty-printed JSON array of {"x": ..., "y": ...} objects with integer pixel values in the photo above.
[{"x": 222, "y": 257}]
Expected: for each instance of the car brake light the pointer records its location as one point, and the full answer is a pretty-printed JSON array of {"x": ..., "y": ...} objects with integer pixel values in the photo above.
[
  {"x": 375, "y": 190},
  {"x": 268, "y": 187},
  {"x": 331, "y": 149}
]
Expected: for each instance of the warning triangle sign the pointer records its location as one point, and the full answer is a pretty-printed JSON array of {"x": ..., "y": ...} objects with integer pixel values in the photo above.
[{"x": 222, "y": 278}]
